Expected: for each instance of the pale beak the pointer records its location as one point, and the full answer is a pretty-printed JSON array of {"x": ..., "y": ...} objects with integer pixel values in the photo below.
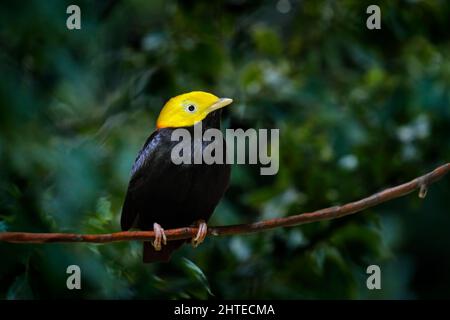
[{"x": 223, "y": 102}]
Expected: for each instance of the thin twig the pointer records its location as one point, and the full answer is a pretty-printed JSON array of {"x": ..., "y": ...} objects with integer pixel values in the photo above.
[{"x": 422, "y": 183}]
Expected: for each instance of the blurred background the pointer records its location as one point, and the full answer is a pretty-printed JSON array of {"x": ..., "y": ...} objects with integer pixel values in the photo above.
[{"x": 358, "y": 110}]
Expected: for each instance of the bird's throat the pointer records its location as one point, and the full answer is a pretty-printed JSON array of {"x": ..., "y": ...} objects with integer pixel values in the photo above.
[{"x": 212, "y": 120}]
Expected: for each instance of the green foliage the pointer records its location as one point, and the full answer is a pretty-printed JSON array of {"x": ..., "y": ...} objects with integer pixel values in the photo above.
[{"x": 358, "y": 111}]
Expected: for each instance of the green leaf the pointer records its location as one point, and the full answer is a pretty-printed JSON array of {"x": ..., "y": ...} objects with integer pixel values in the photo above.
[
  {"x": 197, "y": 273},
  {"x": 20, "y": 289}
]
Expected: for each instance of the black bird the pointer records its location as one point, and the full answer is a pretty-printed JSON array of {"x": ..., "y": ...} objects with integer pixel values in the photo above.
[{"x": 163, "y": 194}]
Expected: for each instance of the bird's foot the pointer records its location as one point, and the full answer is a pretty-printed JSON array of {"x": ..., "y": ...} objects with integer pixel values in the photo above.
[
  {"x": 201, "y": 233},
  {"x": 160, "y": 237}
]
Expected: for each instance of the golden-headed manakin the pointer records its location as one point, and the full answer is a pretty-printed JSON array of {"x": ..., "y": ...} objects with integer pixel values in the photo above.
[{"x": 162, "y": 194}]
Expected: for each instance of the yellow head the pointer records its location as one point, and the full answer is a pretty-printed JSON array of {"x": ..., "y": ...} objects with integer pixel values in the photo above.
[{"x": 187, "y": 109}]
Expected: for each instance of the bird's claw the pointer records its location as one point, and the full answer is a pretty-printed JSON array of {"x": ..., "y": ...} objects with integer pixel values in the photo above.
[
  {"x": 201, "y": 233},
  {"x": 160, "y": 237}
]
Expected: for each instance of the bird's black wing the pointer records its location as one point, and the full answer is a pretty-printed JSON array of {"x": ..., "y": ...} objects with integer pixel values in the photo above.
[{"x": 138, "y": 176}]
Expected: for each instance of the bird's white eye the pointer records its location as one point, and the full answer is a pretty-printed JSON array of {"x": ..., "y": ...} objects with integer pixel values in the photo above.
[{"x": 191, "y": 108}]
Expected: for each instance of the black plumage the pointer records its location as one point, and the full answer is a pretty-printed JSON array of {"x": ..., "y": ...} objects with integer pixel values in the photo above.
[{"x": 169, "y": 194}]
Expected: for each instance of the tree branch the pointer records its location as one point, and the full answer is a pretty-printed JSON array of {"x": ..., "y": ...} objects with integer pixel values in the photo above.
[{"x": 420, "y": 183}]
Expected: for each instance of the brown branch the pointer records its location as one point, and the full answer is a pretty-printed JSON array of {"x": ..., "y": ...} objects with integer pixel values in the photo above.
[{"x": 420, "y": 183}]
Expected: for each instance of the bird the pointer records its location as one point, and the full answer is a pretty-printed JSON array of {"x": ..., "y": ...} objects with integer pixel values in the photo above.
[{"x": 164, "y": 195}]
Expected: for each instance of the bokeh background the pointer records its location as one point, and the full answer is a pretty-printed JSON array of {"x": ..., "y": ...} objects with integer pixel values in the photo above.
[{"x": 358, "y": 111}]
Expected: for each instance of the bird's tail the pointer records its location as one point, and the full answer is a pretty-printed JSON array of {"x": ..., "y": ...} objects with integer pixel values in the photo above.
[{"x": 151, "y": 255}]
